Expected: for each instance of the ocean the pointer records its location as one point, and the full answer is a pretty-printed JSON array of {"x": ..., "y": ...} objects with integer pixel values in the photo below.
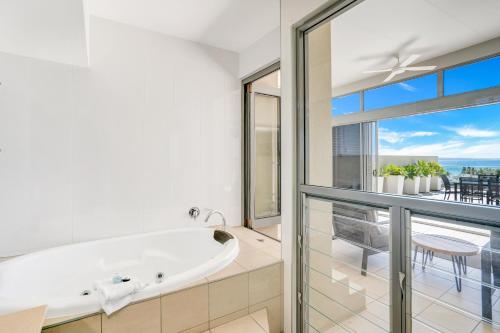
[{"x": 454, "y": 165}]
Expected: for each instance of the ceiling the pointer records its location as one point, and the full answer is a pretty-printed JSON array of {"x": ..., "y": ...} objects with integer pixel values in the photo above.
[
  {"x": 228, "y": 24},
  {"x": 51, "y": 30},
  {"x": 369, "y": 35}
]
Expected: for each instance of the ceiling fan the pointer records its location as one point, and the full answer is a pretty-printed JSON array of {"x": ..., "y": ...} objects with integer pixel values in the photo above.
[{"x": 401, "y": 67}]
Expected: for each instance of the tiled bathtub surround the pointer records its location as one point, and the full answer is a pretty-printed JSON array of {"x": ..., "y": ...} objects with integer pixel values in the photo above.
[{"x": 253, "y": 282}]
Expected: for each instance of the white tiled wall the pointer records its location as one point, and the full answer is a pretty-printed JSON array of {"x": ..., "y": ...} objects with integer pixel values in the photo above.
[{"x": 127, "y": 145}]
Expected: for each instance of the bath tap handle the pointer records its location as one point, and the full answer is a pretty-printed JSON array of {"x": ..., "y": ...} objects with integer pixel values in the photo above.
[{"x": 194, "y": 212}]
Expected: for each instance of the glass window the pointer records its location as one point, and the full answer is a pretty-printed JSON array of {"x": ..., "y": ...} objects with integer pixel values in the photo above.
[
  {"x": 345, "y": 104},
  {"x": 479, "y": 75},
  {"x": 414, "y": 90}
]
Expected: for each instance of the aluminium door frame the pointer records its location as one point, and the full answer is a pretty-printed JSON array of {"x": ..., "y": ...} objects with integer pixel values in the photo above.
[
  {"x": 245, "y": 139},
  {"x": 254, "y": 221},
  {"x": 400, "y": 207}
]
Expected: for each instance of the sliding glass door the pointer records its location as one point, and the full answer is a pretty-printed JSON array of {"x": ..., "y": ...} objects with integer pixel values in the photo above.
[{"x": 398, "y": 168}]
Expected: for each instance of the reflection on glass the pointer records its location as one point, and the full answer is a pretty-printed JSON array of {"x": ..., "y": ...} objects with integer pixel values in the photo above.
[
  {"x": 267, "y": 156},
  {"x": 414, "y": 90},
  {"x": 475, "y": 76},
  {"x": 346, "y": 104},
  {"x": 347, "y": 267}
]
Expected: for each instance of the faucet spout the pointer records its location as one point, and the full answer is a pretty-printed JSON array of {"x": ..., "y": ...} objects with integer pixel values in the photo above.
[{"x": 217, "y": 212}]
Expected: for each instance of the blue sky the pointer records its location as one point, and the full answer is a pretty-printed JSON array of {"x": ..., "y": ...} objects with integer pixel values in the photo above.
[{"x": 465, "y": 133}]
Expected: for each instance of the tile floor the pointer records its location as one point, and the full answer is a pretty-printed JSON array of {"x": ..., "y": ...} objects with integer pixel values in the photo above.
[
  {"x": 273, "y": 231},
  {"x": 256, "y": 322}
]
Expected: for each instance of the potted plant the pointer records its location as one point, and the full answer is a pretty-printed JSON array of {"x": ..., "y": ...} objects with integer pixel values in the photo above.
[
  {"x": 394, "y": 179},
  {"x": 436, "y": 171},
  {"x": 425, "y": 176},
  {"x": 412, "y": 179}
]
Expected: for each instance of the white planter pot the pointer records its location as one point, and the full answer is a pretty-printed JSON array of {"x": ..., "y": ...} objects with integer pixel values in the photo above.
[
  {"x": 394, "y": 184},
  {"x": 436, "y": 183},
  {"x": 380, "y": 184},
  {"x": 412, "y": 186},
  {"x": 425, "y": 184}
]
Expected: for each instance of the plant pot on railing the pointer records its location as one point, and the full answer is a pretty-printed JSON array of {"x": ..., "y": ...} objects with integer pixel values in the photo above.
[
  {"x": 424, "y": 171},
  {"x": 380, "y": 184},
  {"x": 412, "y": 179},
  {"x": 412, "y": 186},
  {"x": 394, "y": 184},
  {"x": 436, "y": 170},
  {"x": 394, "y": 178},
  {"x": 425, "y": 184},
  {"x": 436, "y": 183}
]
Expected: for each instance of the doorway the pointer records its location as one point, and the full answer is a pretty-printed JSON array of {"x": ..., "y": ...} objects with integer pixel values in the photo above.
[{"x": 263, "y": 153}]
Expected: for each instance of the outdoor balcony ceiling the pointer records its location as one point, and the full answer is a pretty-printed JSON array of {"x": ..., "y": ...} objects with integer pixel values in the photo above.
[{"x": 372, "y": 34}]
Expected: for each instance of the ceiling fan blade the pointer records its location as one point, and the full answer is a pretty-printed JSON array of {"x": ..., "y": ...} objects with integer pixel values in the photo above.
[
  {"x": 378, "y": 71},
  {"x": 410, "y": 60},
  {"x": 419, "y": 68},
  {"x": 391, "y": 76}
]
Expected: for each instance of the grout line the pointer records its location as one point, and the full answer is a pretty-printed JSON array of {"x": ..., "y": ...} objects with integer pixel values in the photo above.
[
  {"x": 208, "y": 305},
  {"x": 263, "y": 328},
  {"x": 478, "y": 323}
]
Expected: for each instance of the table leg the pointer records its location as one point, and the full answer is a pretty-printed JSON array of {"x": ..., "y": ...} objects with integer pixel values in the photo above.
[
  {"x": 415, "y": 256},
  {"x": 425, "y": 254},
  {"x": 455, "y": 187},
  {"x": 458, "y": 277}
]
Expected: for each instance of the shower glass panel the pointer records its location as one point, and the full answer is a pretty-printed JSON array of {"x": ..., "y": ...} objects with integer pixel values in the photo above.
[
  {"x": 346, "y": 267},
  {"x": 266, "y": 156}
]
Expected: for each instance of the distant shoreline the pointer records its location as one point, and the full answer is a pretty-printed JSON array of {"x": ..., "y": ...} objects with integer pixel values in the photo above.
[{"x": 455, "y": 165}]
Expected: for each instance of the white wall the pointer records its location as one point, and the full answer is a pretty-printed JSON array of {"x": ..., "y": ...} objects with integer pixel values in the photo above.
[
  {"x": 260, "y": 54},
  {"x": 291, "y": 12},
  {"x": 127, "y": 145}
]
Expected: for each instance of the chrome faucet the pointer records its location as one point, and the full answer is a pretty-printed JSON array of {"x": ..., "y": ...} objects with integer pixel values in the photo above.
[{"x": 214, "y": 211}]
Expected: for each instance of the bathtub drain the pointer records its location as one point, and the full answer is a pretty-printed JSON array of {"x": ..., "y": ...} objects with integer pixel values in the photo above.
[
  {"x": 85, "y": 293},
  {"x": 159, "y": 277}
]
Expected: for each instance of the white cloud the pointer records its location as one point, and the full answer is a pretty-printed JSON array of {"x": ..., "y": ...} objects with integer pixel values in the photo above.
[
  {"x": 455, "y": 149},
  {"x": 395, "y": 137},
  {"x": 472, "y": 132},
  {"x": 407, "y": 87}
]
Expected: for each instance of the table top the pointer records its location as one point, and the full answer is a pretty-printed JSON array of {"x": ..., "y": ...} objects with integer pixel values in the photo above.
[{"x": 445, "y": 244}]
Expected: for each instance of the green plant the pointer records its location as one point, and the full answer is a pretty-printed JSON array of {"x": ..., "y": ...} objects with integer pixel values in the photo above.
[
  {"x": 392, "y": 170},
  {"x": 411, "y": 171},
  {"x": 436, "y": 169},
  {"x": 423, "y": 168}
]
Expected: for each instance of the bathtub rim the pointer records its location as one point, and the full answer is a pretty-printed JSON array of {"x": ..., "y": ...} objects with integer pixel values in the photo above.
[{"x": 170, "y": 284}]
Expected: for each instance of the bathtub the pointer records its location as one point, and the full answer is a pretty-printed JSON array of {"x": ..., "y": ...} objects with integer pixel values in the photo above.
[{"x": 63, "y": 277}]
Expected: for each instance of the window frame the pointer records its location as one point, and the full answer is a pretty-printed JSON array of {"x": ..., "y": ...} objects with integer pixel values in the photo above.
[{"x": 442, "y": 102}]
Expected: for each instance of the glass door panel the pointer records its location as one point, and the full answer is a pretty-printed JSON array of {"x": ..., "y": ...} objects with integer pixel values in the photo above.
[
  {"x": 346, "y": 267},
  {"x": 267, "y": 183},
  {"x": 455, "y": 274}
]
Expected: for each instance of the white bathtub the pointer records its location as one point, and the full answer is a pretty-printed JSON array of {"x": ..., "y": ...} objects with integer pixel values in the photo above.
[{"x": 58, "y": 276}]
